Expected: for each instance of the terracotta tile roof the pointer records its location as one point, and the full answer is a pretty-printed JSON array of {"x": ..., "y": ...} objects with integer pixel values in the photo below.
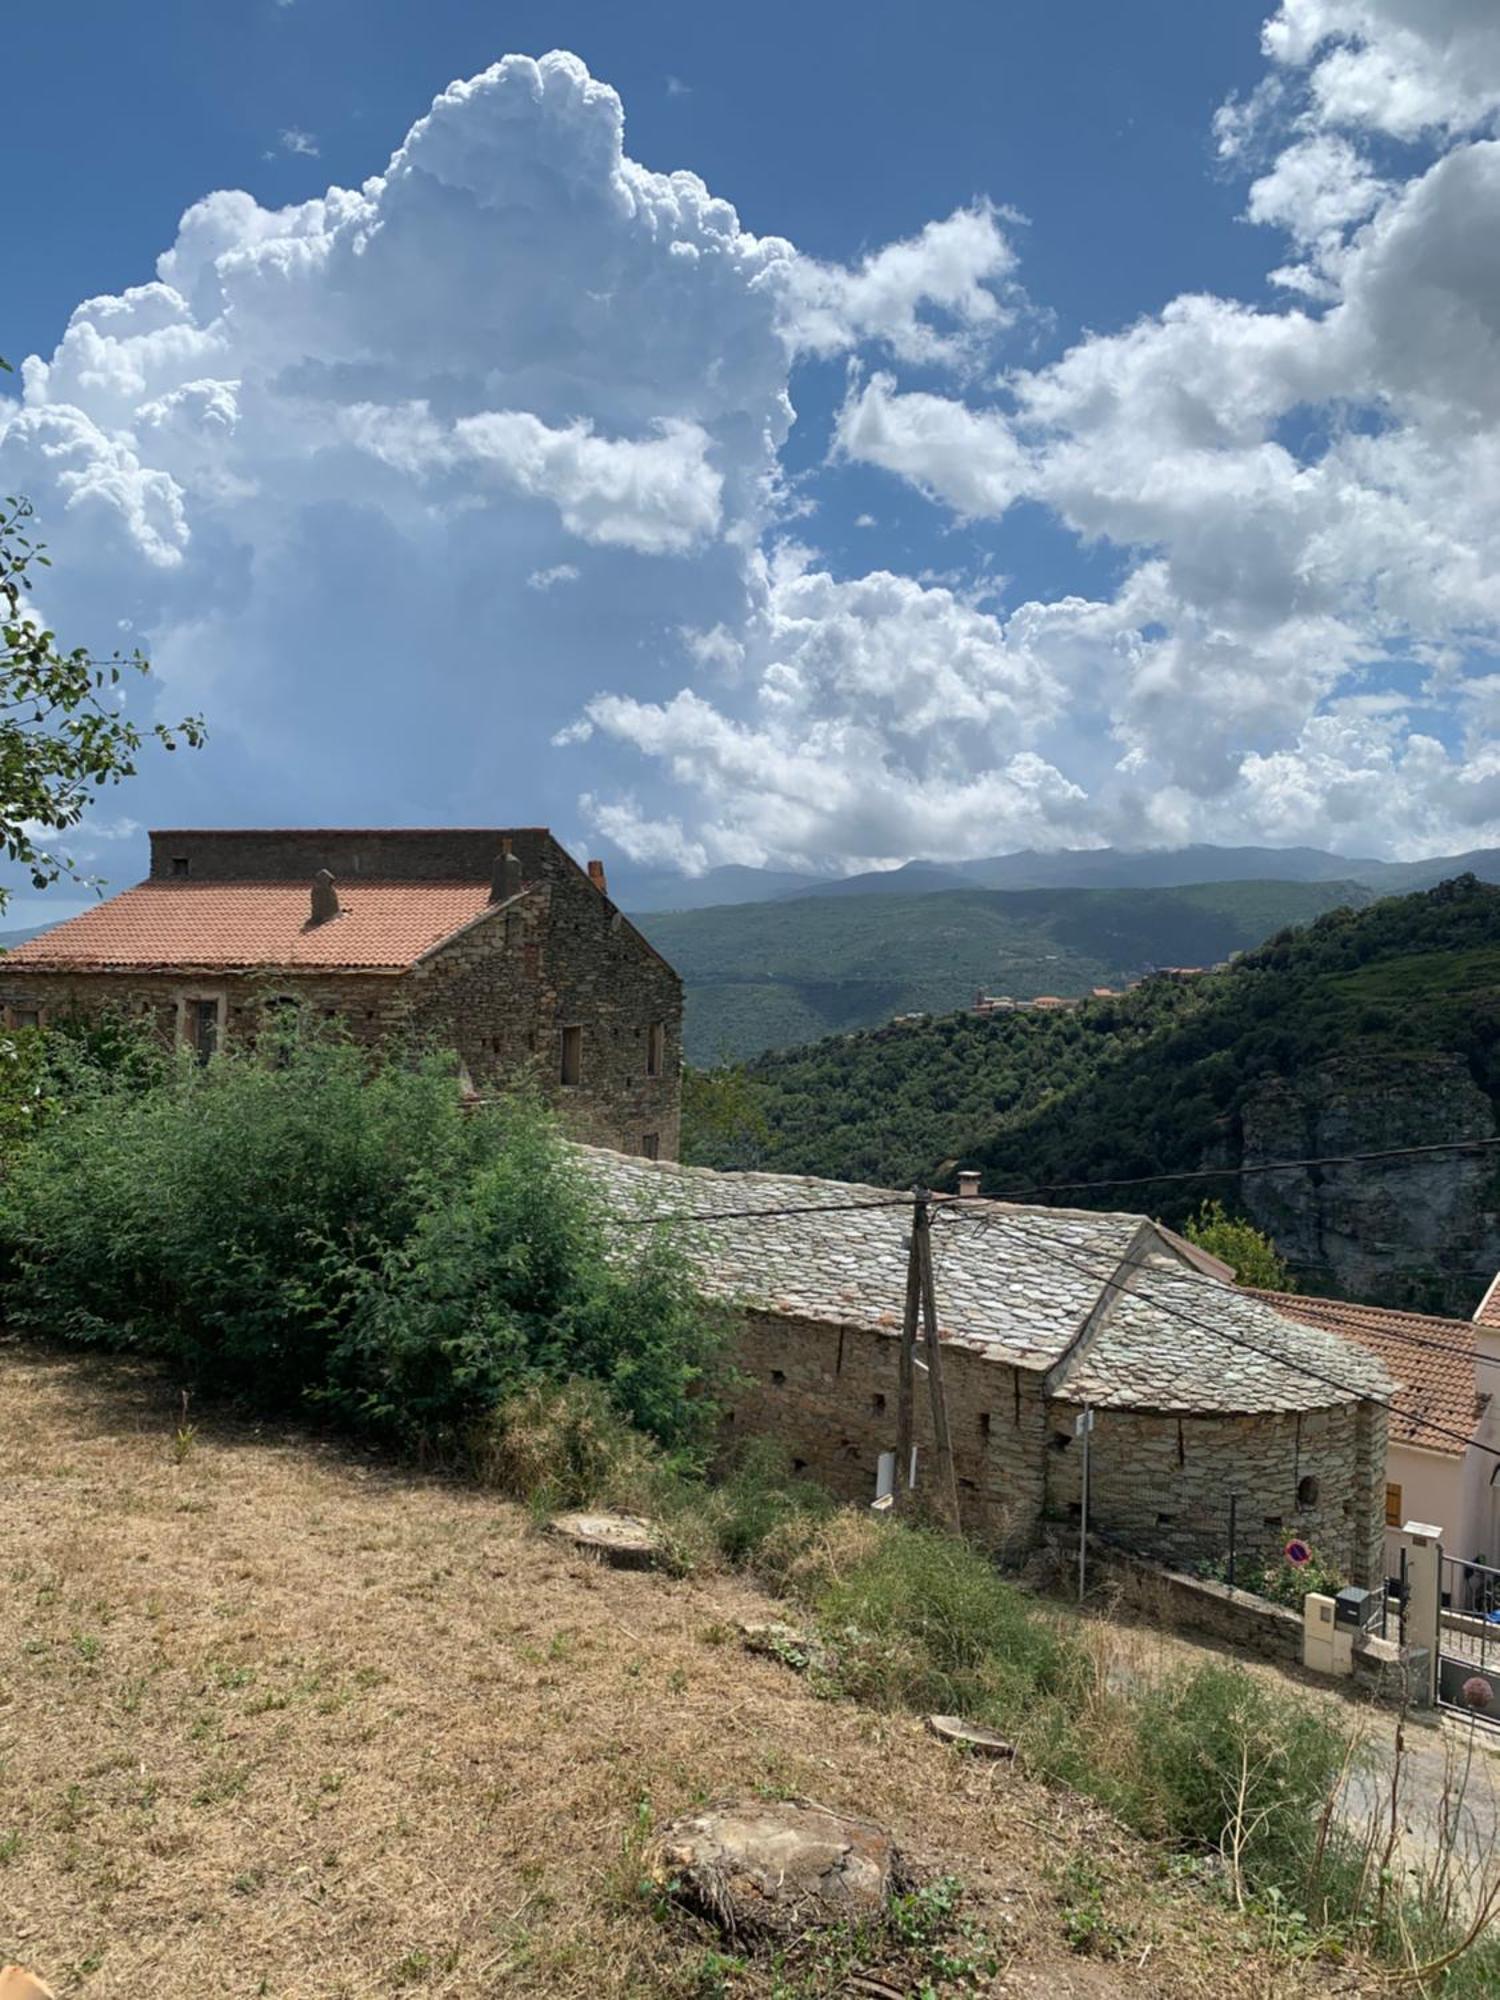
[
  {"x": 1014, "y": 1284},
  {"x": 1439, "y": 1385},
  {"x": 1487, "y": 1312},
  {"x": 237, "y": 926}
]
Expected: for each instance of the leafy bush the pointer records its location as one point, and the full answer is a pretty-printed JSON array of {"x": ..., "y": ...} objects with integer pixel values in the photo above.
[
  {"x": 297, "y": 1228},
  {"x": 1227, "y": 1761},
  {"x": 1248, "y": 1251},
  {"x": 924, "y": 1621}
]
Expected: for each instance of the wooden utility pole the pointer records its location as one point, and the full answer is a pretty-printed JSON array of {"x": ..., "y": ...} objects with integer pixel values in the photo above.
[
  {"x": 906, "y": 1379},
  {"x": 922, "y": 1244}
]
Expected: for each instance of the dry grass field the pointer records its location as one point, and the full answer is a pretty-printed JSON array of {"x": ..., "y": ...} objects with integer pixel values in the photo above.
[{"x": 281, "y": 1718}]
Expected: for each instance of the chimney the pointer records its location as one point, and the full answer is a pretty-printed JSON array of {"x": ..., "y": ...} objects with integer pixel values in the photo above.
[
  {"x": 596, "y": 876},
  {"x": 325, "y": 898},
  {"x": 505, "y": 882},
  {"x": 968, "y": 1183}
]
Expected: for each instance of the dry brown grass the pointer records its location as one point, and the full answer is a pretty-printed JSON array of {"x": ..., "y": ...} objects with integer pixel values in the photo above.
[{"x": 279, "y": 1718}]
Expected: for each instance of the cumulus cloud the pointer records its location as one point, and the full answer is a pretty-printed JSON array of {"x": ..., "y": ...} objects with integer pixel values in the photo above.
[{"x": 933, "y": 298}]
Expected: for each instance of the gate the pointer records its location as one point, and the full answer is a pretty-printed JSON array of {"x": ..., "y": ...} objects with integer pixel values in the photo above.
[{"x": 1468, "y": 1674}]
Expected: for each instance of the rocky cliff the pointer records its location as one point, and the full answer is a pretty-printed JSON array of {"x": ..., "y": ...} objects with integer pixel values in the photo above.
[{"x": 1423, "y": 1233}]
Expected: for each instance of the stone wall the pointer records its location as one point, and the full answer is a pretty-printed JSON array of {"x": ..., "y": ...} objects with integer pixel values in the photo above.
[
  {"x": 395, "y": 854},
  {"x": 1161, "y": 1483},
  {"x": 829, "y": 1395}
]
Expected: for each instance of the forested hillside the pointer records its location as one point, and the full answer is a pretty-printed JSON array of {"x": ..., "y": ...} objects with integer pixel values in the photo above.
[
  {"x": 1366, "y": 1029},
  {"x": 768, "y": 975}
]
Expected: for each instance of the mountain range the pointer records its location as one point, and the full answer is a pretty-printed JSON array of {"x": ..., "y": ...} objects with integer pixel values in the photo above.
[{"x": 640, "y": 890}]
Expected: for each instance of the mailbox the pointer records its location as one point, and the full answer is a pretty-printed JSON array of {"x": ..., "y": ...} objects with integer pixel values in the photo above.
[{"x": 1355, "y": 1608}]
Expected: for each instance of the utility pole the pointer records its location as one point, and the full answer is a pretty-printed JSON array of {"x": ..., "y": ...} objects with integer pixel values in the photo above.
[
  {"x": 922, "y": 1242},
  {"x": 906, "y": 1379},
  {"x": 1083, "y": 1425}
]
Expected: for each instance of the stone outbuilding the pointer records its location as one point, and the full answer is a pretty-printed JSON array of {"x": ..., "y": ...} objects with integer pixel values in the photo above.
[
  {"x": 492, "y": 942},
  {"x": 1199, "y": 1392}
]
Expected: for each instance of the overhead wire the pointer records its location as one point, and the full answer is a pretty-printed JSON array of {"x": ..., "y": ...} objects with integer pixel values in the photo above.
[{"x": 1251, "y": 1167}]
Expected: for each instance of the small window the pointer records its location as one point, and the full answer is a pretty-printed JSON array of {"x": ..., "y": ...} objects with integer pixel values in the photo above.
[
  {"x": 572, "y": 1055},
  {"x": 778, "y": 1376},
  {"x": 651, "y": 1146},
  {"x": 984, "y": 1423},
  {"x": 203, "y": 1027},
  {"x": 656, "y": 1047},
  {"x": 877, "y": 1402},
  {"x": 1307, "y": 1491},
  {"x": 25, "y": 1017},
  {"x": 179, "y": 865},
  {"x": 1393, "y": 1506}
]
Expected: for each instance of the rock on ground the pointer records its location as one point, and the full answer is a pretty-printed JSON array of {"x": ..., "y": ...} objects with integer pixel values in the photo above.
[{"x": 771, "y": 1867}]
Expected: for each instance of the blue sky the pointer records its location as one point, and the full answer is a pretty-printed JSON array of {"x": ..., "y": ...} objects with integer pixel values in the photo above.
[{"x": 1140, "y": 486}]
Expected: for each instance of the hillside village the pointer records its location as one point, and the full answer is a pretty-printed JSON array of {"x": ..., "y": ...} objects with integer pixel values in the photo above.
[{"x": 750, "y": 1003}]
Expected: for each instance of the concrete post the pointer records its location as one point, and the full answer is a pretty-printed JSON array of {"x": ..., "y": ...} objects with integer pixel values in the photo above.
[{"x": 1424, "y": 1582}]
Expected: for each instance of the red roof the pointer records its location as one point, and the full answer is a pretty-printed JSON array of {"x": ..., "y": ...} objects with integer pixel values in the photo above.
[
  {"x": 238, "y": 926},
  {"x": 1434, "y": 1381},
  {"x": 1487, "y": 1312}
]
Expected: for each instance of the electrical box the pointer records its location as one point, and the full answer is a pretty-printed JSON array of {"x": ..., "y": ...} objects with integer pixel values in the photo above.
[
  {"x": 1327, "y": 1645},
  {"x": 1357, "y": 1609}
]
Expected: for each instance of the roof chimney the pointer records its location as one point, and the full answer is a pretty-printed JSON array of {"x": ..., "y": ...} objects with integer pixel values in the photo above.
[
  {"x": 505, "y": 882},
  {"x": 325, "y": 898},
  {"x": 596, "y": 876},
  {"x": 968, "y": 1183}
]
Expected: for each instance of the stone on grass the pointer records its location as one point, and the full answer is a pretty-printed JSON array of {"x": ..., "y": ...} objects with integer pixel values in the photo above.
[
  {"x": 969, "y": 1736},
  {"x": 623, "y": 1540},
  {"x": 800, "y": 1651},
  {"x": 762, "y": 1867}
]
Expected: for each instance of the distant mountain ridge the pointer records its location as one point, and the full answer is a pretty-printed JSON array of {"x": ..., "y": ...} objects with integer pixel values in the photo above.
[
  {"x": 1066, "y": 868},
  {"x": 773, "y": 974}
]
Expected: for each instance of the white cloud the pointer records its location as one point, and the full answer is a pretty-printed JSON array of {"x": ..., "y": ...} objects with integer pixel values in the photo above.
[
  {"x": 292, "y": 139},
  {"x": 548, "y": 579},
  {"x": 929, "y": 299},
  {"x": 1402, "y": 67}
]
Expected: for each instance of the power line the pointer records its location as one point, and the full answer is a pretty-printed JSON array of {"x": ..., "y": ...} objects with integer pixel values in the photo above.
[
  {"x": 748, "y": 1214},
  {"x": 1390, "y": 1333},
  {"x": 1256, "y": 1167},
  {"x": 1114, "y": 1283}
]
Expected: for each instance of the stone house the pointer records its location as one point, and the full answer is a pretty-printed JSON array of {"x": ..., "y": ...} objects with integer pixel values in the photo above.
[
  {"x": 1199, "y": 1392},
  {"x": 494, "y": 943},
  {"x": 1445, "y": 1419}
]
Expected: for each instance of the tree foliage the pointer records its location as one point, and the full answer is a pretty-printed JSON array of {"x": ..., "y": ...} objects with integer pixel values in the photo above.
[
  {"x": 1248, "y": 1251},
  {"x": 290, "y": 1227},
  {"x": 64, "y": 733}
]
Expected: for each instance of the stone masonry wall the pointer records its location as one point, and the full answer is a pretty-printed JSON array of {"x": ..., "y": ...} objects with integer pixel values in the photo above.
[
  {"x": 829, "y": 1395},
  {"x": 503, "y": 992},
  {"x": 1161, "y": 1483}
]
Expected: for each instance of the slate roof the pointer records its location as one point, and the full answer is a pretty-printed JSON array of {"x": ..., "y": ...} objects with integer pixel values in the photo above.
[
  {"x": 1433, "y": 1382},
  {"x": 239, "y": 926},
  {"x": 1032, "y": 1287}
]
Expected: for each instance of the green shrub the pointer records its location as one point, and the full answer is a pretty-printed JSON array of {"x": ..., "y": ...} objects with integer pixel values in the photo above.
[
  {"x": 297, "y": 1228},
  {"x": 1227, "y": 1762},
  {"x": 924, "y": 1621}
]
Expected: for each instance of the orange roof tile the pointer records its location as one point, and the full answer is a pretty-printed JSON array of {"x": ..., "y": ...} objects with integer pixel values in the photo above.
[
  {"x": 238, "y": 926},
  {"x": 1487, "y": 1312},
  {"x": 1435, "y": 1384}
]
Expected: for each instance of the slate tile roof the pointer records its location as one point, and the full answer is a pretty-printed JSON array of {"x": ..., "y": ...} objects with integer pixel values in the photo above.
[
  {"x": 1017, "y": 1284},
  {"x": 239, "y": 926},
  {"x": 1442, "y": 1386}
]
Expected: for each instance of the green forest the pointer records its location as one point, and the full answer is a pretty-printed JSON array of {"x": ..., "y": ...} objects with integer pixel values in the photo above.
[
  {"x": 1148, "y": 1083},
  {"x": 771, "y": 975}
]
